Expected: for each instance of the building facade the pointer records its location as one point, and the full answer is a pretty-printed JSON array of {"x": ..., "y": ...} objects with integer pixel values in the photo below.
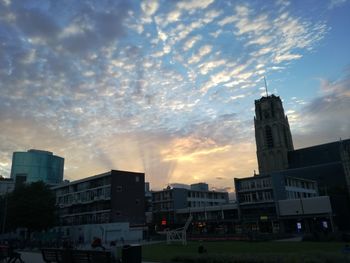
[
  {"x": 37, "y": 165},
  {"x": 264, "y": 202},
  {"x": 6, "y": 185},
  {"x": 328, "y": 164},
  {"x": 272, "y": 134},
  {"x": 115, "y": 196},
  {"x": 165, "y": 203},
  {"x": 217, "y": 220}
]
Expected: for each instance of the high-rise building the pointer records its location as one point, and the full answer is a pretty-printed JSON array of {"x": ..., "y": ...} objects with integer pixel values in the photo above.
[
  {"x": 37, "y": 165},
  {"x": 272, "y": 134}
]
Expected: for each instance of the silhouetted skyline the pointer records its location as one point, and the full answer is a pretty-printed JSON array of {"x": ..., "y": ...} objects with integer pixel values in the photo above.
[{"x": 168, "y": 87}]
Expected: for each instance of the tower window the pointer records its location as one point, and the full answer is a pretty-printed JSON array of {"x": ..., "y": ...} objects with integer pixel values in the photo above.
[
  {"x": 272, "y": 110},
  {"x": 260, "y": 114},
  {"x": 269, "y": 138}
]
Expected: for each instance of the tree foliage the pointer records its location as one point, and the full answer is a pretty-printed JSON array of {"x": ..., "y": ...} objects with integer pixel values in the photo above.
[{"x": 31, "y": 206}]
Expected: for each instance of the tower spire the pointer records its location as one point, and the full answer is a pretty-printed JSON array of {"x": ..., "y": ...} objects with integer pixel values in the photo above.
[{"x": 267, "y": 94}]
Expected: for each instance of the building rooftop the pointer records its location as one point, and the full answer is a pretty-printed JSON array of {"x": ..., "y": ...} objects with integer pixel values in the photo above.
[
  {"x": 63, "y": 184},
  {"x": 40, "y": 151}
]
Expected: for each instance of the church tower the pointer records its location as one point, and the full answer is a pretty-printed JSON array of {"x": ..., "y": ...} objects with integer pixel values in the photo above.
[{"x": 272, "y": 134}]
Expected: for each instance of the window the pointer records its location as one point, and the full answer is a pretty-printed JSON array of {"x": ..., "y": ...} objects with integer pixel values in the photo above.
[
  {"x": 119, "y": 188},
  {"x": 107, "y": 192},
  {"x": 268, "y": 196},
  {"x": 266, "y": 183},
  {"x": 269, "y": 137}
]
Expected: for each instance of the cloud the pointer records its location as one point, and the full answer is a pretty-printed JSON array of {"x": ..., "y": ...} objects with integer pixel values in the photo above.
[
  {"x": 35, "y": 23},
  {"x": 150, "y": 7},
  {"x": 193, "y": 4},
  {"x": 191, "y": 42},
  {"x": 325, "y": 117},
  {"x": 336, "y": 3},
  {"x": 262, "y": 40},
  {"x": 190, "y": 149},
  {"x": 236, "y": 72},
  {"x": 282, "y": 36},
  {"x": 227, "y": 20},
  {"x": 206, "y": 67},
  {"x": 204, "y": 50},
  {"x": 82, "y": 30},
  {"x": 143, "y": 86},
  {"x": 285, "y": 57},
  {"x": 174, "y": 16}
]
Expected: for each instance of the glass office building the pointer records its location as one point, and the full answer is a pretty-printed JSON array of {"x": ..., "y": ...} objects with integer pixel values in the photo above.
[{"x": 37, "y": 165}]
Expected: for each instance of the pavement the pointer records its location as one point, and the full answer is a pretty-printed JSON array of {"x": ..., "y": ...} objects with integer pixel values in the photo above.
[{"x": 35, "y": 257}]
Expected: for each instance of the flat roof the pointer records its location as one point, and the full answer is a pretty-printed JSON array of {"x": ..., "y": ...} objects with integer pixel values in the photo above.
[
  {"x": 64, "y": 184},
  {"x": 61, "y": 185},
  {"x": 322, "y": 145}
]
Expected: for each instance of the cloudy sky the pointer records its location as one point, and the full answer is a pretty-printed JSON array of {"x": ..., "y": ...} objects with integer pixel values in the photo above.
[{"x": 167, "y": 87}]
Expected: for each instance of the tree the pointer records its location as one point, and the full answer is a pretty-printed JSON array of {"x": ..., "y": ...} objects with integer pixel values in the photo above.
[{"x": 31, "y": 206}]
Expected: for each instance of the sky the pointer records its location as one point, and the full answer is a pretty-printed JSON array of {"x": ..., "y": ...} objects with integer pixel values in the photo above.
[{"x": 167, "y": 87}]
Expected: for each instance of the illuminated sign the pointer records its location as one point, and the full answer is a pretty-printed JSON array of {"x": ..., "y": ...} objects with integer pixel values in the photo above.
[
  {"x": 163, "y": 222},
  {"x": 299, "y": 226},
  {"x": 325, "y": 224}
]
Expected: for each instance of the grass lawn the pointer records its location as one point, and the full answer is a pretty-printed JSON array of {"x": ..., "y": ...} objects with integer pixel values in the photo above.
[{"x": 164, "y": 253}]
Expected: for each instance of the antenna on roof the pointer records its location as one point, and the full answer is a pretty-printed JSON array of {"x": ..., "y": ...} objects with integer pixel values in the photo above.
[{"x": 267, "y": 94}]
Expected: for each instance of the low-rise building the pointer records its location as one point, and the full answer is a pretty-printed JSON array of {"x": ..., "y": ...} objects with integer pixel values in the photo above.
[
  {"x": 264, "y": 203},
  {"x": 211, "y": 220},
  {"x": 166, "y": 202},
  {"x": 6, "y": 185},
  {"x": 115, "y": 196},
  {"x": 109, "y": 205}
]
